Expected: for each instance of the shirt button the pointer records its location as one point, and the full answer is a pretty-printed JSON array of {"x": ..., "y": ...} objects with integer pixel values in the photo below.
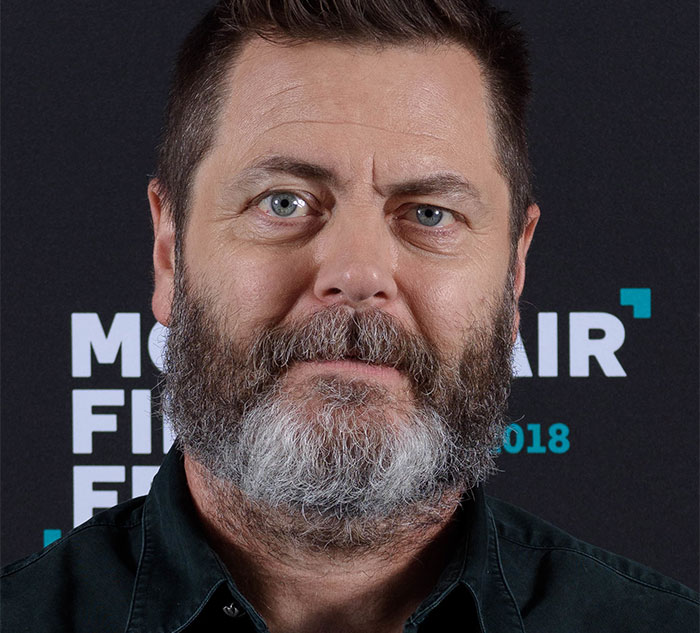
[{"x": 233, "y": 610}]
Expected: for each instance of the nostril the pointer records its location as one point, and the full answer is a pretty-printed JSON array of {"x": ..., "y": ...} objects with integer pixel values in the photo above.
[{"x": 355, "y": 284}]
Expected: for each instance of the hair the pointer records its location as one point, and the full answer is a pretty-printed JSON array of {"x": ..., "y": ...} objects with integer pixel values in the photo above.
[{"x": 198, "y": 89}]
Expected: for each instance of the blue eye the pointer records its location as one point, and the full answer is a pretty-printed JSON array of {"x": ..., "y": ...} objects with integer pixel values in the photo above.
[
  {"x": 432, "y": 216},
  {"x": 283, "y": 204}
]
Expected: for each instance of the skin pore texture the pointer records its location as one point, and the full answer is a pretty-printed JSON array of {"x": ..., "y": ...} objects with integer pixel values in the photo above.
[{"x": 355, "y": 140}]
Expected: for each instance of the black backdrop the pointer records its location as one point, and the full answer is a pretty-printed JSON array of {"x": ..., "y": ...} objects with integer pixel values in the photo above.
[{"x": 614, "y": 137}]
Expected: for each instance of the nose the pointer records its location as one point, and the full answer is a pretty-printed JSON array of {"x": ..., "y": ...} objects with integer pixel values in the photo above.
[{"x": 356, "y": 267}]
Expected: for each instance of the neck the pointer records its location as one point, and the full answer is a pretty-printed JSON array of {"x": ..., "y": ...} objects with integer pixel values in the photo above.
[{"x": 297, "y": 582}]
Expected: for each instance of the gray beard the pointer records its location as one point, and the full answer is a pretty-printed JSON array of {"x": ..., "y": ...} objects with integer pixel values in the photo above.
[{"x": 331, "y": 462}]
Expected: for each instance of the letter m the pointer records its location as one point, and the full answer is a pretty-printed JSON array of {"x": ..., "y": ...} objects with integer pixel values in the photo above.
[{"x": 87, "y": 335}]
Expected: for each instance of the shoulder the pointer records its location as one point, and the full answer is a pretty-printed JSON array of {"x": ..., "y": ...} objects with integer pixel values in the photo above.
[
  {"x": 552, "y": 573},
  {"x": 94, "y": 564}
]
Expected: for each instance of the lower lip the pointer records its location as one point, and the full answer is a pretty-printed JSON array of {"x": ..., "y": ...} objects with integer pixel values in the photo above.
[{"x": 353, "y": 368}]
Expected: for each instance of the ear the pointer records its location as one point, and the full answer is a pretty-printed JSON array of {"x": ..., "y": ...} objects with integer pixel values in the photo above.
[
  {"x": 533, "y": 215},
  {"x": 163, "y": 254}
]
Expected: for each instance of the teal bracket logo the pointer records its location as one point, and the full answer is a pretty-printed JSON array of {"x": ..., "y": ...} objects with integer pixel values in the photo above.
[
  {"x": 50, "y": 536},
  {"x": 639, "y": 299}
]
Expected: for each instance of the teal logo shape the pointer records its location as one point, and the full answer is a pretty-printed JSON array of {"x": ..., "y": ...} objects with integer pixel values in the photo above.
[
  {"x": 639, "y": 299},
  {"x": 50, "y": 536}
]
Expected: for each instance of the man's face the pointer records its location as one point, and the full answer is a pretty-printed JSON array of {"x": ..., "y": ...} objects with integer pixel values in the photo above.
[
  {"x": 378, "y": 122},
  {"x": 352, "y": 181}
]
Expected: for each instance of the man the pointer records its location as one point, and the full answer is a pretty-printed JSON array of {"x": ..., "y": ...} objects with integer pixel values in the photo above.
[{"x": 342, "y": 214}]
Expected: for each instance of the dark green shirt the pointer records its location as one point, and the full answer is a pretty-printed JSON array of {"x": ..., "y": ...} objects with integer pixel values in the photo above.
[{"x": 144, "y": 566}]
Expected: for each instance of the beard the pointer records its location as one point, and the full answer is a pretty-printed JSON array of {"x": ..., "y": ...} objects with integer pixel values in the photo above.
[{"x": 330, "y": 461}]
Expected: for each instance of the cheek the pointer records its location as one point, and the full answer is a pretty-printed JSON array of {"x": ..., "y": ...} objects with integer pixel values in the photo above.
[
  {"x": 447, "y": 300},
  {"x": 251, "y": 287}
]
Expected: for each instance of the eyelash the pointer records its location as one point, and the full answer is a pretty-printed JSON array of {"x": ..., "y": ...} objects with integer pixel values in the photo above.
[
  {"x": 456, "y": 217},
  {"x": 257, "y": 202}
]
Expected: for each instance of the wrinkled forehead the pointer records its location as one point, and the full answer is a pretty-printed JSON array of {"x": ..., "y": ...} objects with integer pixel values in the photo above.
[
  {"x": 424, "y": 106},
  {"x": 416, "y": 83}
]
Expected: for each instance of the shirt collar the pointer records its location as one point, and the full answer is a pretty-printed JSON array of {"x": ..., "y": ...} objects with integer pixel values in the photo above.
[
  {"x": 476, "y": 568},
  {"x": 179, "y": 574},
  {"x": 484, "y": 575}
]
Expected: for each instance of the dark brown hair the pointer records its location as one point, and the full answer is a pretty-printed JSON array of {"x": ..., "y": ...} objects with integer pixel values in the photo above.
[{"x": 210, "y": 49}]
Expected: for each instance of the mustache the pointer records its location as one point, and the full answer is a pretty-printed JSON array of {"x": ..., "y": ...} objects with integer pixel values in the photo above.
[{"x": 337, "y": 333}]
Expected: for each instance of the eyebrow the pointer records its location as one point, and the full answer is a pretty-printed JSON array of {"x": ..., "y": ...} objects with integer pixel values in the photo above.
[
  {"x": 285, "y": 165},
  {"x": 442, "y": 183}
]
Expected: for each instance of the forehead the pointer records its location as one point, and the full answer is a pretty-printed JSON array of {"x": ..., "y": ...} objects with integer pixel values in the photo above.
[{"x": 359, "y": 110}]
